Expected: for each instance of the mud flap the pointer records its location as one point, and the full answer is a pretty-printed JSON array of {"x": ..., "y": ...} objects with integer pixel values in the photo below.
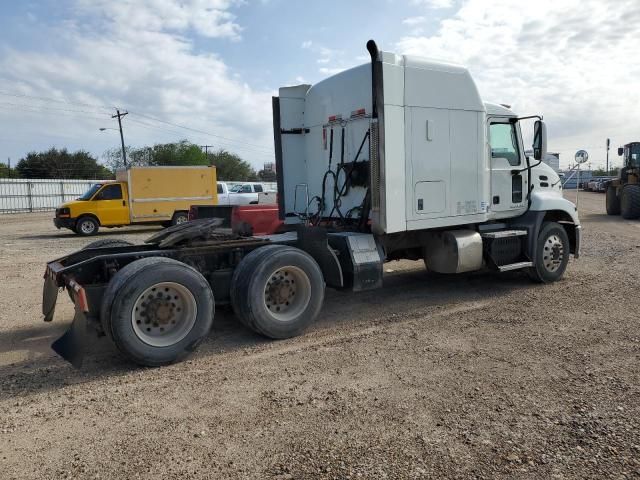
[
  {"x": 71, "y": 346},
  {"x": 49, "y": 298}
]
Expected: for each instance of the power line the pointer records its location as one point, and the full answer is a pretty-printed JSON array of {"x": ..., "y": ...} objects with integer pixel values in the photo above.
[
  {"x": 220, "y": 144},
  {"x": 66, "y": 114},
  {"x": 248, "y": 145},
  {"x": 182, "y": 134},
  {"x": 49, "y": 99},
  {"x": 201, "y": 131},
  {"x": 42, "y": 107}
]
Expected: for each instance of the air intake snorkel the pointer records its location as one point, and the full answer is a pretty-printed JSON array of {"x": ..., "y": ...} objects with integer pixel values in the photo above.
[{"x": 373, "y": 51}]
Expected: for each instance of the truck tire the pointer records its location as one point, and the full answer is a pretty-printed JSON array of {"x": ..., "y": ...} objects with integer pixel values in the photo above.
[
  {"x": 630, "y": 202},
  {"x": 552, "y": 253},
  {"x": 107, "y": 242},
  {"x": 277, "y": 291},
  {"x": 179, "y": 217},
  {"x": 87, "y": 226},
  {"x": 157, "y": 310},
  {"x": 612, "y": 201}
]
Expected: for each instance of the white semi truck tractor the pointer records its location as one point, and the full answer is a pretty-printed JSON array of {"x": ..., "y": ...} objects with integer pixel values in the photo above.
[{"x": 396, "y": 159}]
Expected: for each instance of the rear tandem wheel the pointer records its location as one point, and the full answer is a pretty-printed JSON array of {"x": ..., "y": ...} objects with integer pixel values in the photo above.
[
  {"x": 277, "y": 291},
  {"x": 157, "y": 310}
]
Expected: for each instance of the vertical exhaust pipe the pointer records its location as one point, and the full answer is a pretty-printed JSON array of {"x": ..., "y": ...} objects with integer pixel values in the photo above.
[
  {"x": 373, "y": 51},
  {"x": 376, "y": 143}
]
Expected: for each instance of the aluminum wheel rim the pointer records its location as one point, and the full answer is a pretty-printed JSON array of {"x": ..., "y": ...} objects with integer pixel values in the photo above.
[
  {"x": 287, "y": 293},
  {"x": 552, "y": 253},
  {"x": 164, "y": 314},
  {"x": 181, "y": 219},
  {"x": 87, "y": 226}
]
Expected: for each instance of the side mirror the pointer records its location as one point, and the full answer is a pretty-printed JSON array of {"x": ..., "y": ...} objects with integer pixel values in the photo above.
[
  {"x": 539, "y": 140},
  {"x": 620, "y": 151}
]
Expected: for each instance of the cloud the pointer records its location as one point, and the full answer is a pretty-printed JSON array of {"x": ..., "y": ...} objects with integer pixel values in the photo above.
[
  {"x": 412, "y": 21},
  {"x": 139, "y": 59},
  {"x": 433, "y": 4},
  {"x": 570, "y": 60},
  {"x": 326, "y": 56},
  {"x": 209, "y": 18}
]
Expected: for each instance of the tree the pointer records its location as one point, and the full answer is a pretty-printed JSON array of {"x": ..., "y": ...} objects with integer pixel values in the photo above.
[
  {"x": 230, "y": 166},
  {"x": 267, "y": 175},
  {"x": 6, "y": 172},
  {"x": 56, "y": 163},
  {"x": 181, "y": 153}
]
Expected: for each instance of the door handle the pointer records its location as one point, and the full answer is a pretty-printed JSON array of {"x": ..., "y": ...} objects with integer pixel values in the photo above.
[{"x": 124, "y": 204}]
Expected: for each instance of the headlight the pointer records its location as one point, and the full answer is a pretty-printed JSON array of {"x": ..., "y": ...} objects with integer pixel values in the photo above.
[{"x": 63, "y": 212}]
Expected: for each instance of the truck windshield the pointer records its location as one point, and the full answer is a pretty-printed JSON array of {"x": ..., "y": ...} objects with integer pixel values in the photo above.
[
  {"x": 634, "y": 155},
  {"x": 91, "y": 192}
]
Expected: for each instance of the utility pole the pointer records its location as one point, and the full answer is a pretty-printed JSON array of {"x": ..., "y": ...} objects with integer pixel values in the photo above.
[
  {"x": 206, "y": 150},
  {"x": 608, "y": 144},
  {"x": 119, "y": 116},
  {"x": 9, "y": 167}
]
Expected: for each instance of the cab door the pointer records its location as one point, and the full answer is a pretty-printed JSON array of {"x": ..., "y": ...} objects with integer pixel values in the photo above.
[
  {"x": 110, "y": 204},
  {"x": 508, "y": 179}
]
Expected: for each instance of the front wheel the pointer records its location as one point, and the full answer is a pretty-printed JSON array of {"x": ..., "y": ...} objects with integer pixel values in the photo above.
[
  {"x": 157, "y": 310},
  {"x": 86, "y": 226},
  {"x": 277, "y": 291},
  {"x": 552, "y": 253},
  {"x": 612, "y": 201}
]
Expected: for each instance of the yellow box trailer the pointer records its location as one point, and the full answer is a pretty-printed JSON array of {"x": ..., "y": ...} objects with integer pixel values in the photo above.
[{"x": 140, "y": 195}]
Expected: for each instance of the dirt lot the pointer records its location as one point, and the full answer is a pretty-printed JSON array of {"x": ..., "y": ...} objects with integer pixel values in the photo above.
[{"x": 477, "y": 376}]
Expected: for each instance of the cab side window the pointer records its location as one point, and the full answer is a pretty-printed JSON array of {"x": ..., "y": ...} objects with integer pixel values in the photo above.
[
  {"x": 110, "y": 192},
  {"x": 504, "y": 142},
  {"x": 258, "y": 188},
  {"x": 220, "y": 189},
  {"x": 246, "y": 189}
]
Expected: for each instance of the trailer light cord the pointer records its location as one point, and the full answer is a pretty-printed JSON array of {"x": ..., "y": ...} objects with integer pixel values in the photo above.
[{"x": 339, "y": 191}]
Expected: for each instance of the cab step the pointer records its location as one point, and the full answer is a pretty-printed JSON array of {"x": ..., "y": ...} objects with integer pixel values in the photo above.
[
  {"x": 503, "y": 234},
  {"x": 515, "y": 266}
]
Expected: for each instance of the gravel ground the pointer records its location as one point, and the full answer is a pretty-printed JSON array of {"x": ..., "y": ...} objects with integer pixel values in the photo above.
[{"x": 474, "y": 376}]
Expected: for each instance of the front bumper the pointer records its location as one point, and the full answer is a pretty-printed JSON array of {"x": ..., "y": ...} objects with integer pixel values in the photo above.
[{"x": 64, "y": 222}]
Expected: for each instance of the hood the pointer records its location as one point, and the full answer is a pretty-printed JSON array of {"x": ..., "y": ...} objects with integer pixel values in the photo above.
[{"x": 544, "y": 170}]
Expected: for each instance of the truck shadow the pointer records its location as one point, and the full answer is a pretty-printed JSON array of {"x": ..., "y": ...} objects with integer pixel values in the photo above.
[
  {"x": 31, "y": 367},
  {"x": 101, "y": 234}
]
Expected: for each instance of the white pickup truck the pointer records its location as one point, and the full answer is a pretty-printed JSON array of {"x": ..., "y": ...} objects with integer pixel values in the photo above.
[{"x": 232, "y": 193}]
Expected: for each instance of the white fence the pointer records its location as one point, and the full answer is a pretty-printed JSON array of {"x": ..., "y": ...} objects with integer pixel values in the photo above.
[{"x": 38, "y": 195}]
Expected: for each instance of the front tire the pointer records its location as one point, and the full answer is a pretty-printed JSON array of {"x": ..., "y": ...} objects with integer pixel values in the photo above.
[
  {"x": 87, "y": 226},
  {"x": 552, "y": 253},
  {"x": 630, "y": 202},
  {"x": 612, "y": 201},
  {"x": 277, "y": 291},
  {"x": 157, "y": 310}
]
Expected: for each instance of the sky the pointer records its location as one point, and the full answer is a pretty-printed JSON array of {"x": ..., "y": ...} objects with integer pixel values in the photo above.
[{"x": 205, "y": 70}]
